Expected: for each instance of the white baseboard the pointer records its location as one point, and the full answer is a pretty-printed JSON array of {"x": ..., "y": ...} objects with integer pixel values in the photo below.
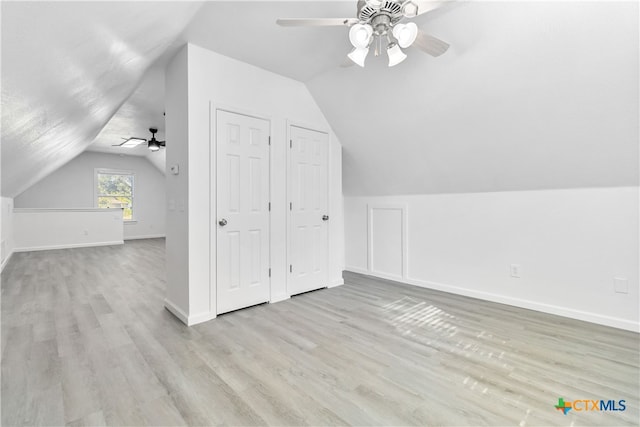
[
  {"x": 176, "y": 311},
  {"x": 6, "y": 261},
  {"x": 200, "y": 318},
  {"x": 516, "y": 302},
  {"x": 336, "y": 282},
  {"x": 359, "y": 270},
  {"x": 188, "y": 320},
  {"x": 69, "y": 246},
  {"x": 149, "y": 236},
  {"x": 279, "y": 298}
]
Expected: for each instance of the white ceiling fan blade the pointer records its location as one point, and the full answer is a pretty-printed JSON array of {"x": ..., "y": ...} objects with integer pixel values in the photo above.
[
  {"x": 131, "y": 142},
  {"x": 316, "y": 22},
  {"x": 430, "y": 44}
]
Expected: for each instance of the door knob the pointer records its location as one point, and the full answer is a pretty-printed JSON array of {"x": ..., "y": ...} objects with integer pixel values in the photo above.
[
  {"x": 222, "y": 222},
  {"x": 325, "y": 217}
]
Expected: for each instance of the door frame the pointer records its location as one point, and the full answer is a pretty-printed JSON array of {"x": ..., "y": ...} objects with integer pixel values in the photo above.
[
  {"x": 213, "y": 195},
  {"x": 289, "y": 176}
]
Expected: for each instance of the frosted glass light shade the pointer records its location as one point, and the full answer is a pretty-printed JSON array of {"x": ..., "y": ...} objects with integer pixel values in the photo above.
[
  {"x": 153, "y": 146},
  {"x": 410, "y": 9},
  {"x": 358, "y": 55},
  {"x": 360, "y": 35},
  {"x": 396, "y": 55},
  {"x": 405, "y": 34}
]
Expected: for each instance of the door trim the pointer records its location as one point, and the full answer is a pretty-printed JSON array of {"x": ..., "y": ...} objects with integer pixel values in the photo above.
[
  {"x": 404, "y": 251},
  {"x": 289, "y": 176},
  {"x": 213, "y": 195}
]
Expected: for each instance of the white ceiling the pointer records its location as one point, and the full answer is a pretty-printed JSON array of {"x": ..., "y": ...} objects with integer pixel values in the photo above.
[
  {"x": 67, "y": 67},
  {"x": 529, "y": 96}
]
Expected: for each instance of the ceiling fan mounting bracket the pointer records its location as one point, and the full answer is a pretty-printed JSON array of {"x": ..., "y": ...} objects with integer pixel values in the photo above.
[{"x": 381, "y": 24}]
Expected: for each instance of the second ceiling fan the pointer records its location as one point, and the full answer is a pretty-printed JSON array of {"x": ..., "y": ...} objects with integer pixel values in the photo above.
[
  {"x": 153, "y": 144},
  {"x": 378, "y": 22}
]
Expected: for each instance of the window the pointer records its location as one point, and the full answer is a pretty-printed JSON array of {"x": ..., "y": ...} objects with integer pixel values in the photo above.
[{"x": 114, "y": 189}]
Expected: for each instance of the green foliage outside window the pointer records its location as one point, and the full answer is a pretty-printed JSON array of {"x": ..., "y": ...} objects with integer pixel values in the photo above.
[{"x": 115, "y": 191}]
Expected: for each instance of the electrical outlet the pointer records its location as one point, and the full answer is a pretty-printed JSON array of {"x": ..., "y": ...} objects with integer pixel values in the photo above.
[
  {"x": 86, "y": 232},
  {"x": 621, "y": 285},
  {"x": 515, "y": 270}
]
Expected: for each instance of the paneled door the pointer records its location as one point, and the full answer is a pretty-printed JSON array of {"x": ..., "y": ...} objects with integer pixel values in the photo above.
[
  {"x": 308, "y": 231},
  {"x": 242, "y": 186}
]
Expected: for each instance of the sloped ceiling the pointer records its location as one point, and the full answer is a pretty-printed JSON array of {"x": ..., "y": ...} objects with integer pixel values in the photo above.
[
  {"x": 142, "y": 110},
  {"x": 246, "y": 30},
  {"x": 67, "y": 67},
  {"x": 531, "y": 95}
]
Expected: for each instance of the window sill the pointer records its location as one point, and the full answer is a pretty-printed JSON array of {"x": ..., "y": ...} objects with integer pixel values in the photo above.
[{"x": 130, "y": 221}]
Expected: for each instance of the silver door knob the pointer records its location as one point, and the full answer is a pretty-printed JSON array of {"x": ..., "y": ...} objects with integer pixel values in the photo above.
[
  {"x": 222, "y": 222},
  {"x": 325, "y": 217}
]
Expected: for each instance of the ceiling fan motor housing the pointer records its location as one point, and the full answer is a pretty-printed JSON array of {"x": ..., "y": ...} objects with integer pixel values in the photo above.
[{"x": 382, "y": 18}]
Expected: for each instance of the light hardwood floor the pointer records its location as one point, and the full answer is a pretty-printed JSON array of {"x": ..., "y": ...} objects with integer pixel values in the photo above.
[{"x": 86, "y": 341}]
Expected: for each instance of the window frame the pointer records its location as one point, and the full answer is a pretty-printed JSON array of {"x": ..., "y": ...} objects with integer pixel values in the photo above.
[{"x": 97, "y": 195}]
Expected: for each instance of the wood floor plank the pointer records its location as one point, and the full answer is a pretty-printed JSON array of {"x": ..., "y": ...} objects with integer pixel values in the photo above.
[{"x": 86, "y": 341}]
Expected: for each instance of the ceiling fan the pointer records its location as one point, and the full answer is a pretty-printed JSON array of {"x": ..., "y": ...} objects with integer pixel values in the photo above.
[
  {"x": 379, "y": 21},
  {"x": 153, "y": 143}
]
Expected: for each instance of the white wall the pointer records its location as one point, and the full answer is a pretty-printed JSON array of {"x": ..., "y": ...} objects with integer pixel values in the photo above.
[
  {"x": 43, "y": 229},
  {"x": 569, "y": 244},
  {"x": 6, "y": 229},
  {"x": 73, "y": 186},
  {"x": 218, "y": 81},
  {"x": 177, "y": 152}
]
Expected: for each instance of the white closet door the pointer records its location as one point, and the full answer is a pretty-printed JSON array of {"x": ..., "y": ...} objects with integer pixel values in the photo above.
[
  {"x": 242, "y": 211},
  {"x": 308, "y": 231}
]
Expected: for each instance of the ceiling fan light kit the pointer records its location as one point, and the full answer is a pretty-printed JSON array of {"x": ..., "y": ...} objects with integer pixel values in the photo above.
[
  {"x": 360, "y": 35},
  {"x": 405, "y": 33},
  {"x": 396, "y": 55},
  {"x": 378, "y": 20},
  {"x": 358, "y": 55},
  {"x": 154, "y": 144}
]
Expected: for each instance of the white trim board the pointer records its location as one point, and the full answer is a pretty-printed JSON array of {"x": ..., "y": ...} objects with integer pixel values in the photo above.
[
  {"x": 149, "y": 236},
  {"x": 404, "y": 264},
  {"x": 335, "y": 283},
  {"x": 185, "y": 318},
  {"x": 6, "y": 260},
  {"x": 176, "y": 311},
  {"x": 279, "y": 298},
  {"x": 70, "y": 246},
  {"x": 515, "y": 302}
]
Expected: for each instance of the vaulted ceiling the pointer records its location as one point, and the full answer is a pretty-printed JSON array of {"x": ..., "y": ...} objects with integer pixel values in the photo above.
[
  {"x": 531, "y": 94},
  {"x": 67, "y": 68}
]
